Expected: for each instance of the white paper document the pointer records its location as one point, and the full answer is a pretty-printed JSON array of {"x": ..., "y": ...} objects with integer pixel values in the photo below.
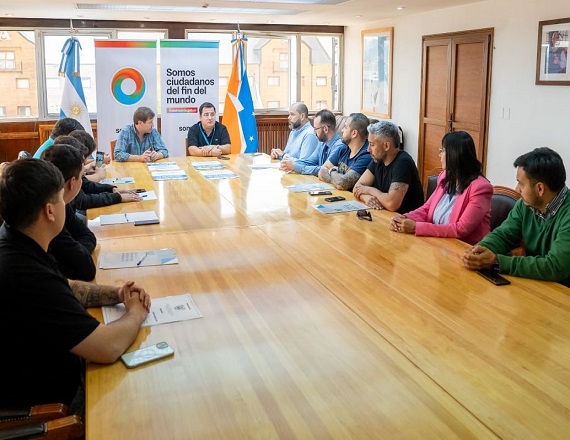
[
  {"x": 163, "y": 310},
  {"x": 208, "y": 165},
  {"x": 174, "y": 174},
  {"x": 331, "y": 208},
  {"x": 218, "y": 174},
  {"x": 306, "y": 187},
  {"x": 118, "y": 260},
  {"x": 118, "y": 180},
  {"x": 130, "y": 217},
  {"x": 148, "y": 195},
  {"x": 264, "y": 166},
  {"x": 162, "y": 166}
]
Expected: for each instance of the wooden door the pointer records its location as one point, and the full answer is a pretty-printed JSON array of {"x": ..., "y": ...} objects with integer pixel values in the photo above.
[{"x": 454, "y": 95}]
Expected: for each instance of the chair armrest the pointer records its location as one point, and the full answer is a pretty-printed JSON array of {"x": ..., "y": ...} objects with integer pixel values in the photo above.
[
  {"x": 12, "y": 417},
  {"x": 69, "y": 427}
]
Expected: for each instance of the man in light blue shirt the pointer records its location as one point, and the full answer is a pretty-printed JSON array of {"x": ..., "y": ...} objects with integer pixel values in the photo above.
[
  {"x": 324, "y": 124},
  {"x": 302, "y": 140},
  {"x": 140, "y": 142}
]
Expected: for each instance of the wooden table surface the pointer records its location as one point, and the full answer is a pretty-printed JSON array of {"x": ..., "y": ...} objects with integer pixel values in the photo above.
[{"x": 323, "y": 326}]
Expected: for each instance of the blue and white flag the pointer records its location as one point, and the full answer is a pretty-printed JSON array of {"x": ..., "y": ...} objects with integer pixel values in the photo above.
[
  {"x": 73, "y": 103},
  {"x": 239, "y": 117}
]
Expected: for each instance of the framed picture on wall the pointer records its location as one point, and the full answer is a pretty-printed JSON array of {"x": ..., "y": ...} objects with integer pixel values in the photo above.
[
  {"x": 552, "y": 53},
  {"x": 376, "y": 91}
]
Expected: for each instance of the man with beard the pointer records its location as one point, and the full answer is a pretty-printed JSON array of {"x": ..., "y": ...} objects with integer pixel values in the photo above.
[
  {"x": 324, "y": 124},
  {"x": 346, "y": 164},
  {"x": 391, "y": 181},
  {"x": 302, "y": 140}
]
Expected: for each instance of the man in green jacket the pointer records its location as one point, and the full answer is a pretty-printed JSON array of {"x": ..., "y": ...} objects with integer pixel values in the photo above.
[{"x": 541, "y": 219}]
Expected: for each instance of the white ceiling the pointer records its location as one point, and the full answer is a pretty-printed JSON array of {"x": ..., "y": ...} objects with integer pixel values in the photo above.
[{"x": 300, "y": 12}]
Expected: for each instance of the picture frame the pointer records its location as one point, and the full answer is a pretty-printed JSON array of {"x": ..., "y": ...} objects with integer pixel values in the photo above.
[
  {"x": 376, "y": 87},
  {"x": 552, "y": 53}
]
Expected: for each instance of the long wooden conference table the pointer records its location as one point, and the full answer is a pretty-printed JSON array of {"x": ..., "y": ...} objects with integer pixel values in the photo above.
[{"x": 323, "y": 326}]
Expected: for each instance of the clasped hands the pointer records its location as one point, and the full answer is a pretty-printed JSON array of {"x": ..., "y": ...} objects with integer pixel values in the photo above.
[
  {"x": 400, "y": 223},
  {"x": 211, "y": 150},
  {"x": 150, "y": 156},
  {"x": 130, "y": 294}
]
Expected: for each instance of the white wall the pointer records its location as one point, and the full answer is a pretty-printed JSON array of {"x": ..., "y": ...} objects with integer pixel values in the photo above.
[{"x": 539, "y": 115}]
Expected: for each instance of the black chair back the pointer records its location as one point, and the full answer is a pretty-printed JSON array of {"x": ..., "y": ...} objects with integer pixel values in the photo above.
[
  {"x": 431, "y": 185},
  {"x": 502, "y": 201}
]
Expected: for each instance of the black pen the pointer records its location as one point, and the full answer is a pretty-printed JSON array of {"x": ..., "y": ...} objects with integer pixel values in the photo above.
[{"x": 142, "y": 259}]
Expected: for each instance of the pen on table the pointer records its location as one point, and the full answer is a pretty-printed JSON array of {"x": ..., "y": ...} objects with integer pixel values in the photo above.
[{"x": 142, "y": 259}]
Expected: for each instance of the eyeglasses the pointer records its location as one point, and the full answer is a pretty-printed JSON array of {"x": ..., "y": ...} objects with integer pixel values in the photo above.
[
  {"x": 318, "y": 128},
  {"x": 363, "y": 214}
]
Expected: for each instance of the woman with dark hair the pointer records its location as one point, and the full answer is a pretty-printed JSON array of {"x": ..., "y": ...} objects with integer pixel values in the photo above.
[{"x": 460, "y": 206}]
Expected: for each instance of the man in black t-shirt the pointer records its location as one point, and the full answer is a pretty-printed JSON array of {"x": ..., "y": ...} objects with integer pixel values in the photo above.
[
  {"x": 44, "y": 327},
  {"x": 391, "y": 181},
  {"x": 208, "y": 137}
]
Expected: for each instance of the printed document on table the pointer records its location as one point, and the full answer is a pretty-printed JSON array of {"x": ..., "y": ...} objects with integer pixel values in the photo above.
[
  {"x": 218, "y": 174},
  {"x": 264, "y": 166},
  {"x": 169, "y": 175},
  {"x": 162, "y": 166},
  {"x": 306, "y": 187},
  {"x": 208, "y": 165},
  {"x": 148, "y": 195},
  {"x": 163, "y": 310},
  {"x": 130, "y": 217},
  {"x": 118, "y": 260},
  {"x": 118, "y": 180},
  {"x": 331, "y": 208}
]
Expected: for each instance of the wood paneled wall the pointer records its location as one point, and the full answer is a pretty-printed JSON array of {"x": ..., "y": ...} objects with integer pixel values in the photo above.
[{"x": 29, "y": 135}]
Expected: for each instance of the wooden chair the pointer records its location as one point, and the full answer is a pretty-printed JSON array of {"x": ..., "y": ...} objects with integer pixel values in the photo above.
[
  {"x": 50, "y": 421},
  {"x": 113, "y": 149}
]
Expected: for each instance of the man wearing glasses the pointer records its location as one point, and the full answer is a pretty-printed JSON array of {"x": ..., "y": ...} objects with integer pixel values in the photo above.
[
  {"x": 324, "y": 124},
  {"x": 302, "y": 140}
]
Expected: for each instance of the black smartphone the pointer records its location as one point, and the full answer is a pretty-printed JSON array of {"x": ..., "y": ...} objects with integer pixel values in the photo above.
[
  {"x": 140, "y": 190},
  {"x": 320, "y": 193},
  {"x": 334, "y": 199},
  {"x": 99, "y": 158},
  {"x": 495, "y": 278},
  {"x": 223, "y": 157}
]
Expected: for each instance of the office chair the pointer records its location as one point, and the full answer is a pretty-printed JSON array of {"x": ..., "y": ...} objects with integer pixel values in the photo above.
[
  {"x": 502, "y": 201},
  {"x": 431, "y": 185},
  {"x": 49, "y": 422}
]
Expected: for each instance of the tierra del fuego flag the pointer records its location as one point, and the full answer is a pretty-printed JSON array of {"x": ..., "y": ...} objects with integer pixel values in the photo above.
[
  {"x": 239, "y": 117},
  {"x": 73, "y": 104}
]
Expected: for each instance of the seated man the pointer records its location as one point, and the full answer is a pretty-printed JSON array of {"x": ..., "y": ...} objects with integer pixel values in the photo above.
[
  {"x": 73, "y": 246},
  {"x": 324, "y": 124},
  {"x": 62, "y": 127},
  {"x": 391, "y": 181},
  {"x": 140, "y": 142},
  {"x": 208, "y": 137},
  {"x": 346, "y": 164},
  {"x": 302, "y": 140},
  {"x": 541, "y": 219},
  {"x": 91, "y": 171},
  {"x": 44, "y": 314}
]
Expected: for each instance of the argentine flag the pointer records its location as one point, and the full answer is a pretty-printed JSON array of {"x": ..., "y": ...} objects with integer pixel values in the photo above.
[
  {"x": 73, "y": 103},
  {"x": 239, "y": 117}
]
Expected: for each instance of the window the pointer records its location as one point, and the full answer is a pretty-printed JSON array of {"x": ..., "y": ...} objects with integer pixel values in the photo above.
[
  {"x": 2, "y": 112},
  {"x": 86, "y": 83},
  {"x": 24, "y": 110},
  {"x": 273, "y": 104},
  {"x": 320, "y": 57},
  {"x": 7, "y": 60},
  {"x": 272, "y": 80},
  {"x": 224, "y": 81},
  {"x": 53, "y": 83},
  {"x": 22, "y": 83}
]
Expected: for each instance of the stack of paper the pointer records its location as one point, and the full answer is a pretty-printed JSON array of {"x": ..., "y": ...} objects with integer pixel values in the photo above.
[
  {"x": 306, "y": 187},
  {"x": 162, "y": 311},
  {"x": 118, "y": 180},
  {"x": 117, "y": 260},
  {"x": 162, "y": 166},
  {"x": 130, "y": 217},
  {"x": 330, "y": 208},
  {"x": 208, "y": 165},
  {"x": 218, "y": 174},
  {"x": 174, "y": 174}
]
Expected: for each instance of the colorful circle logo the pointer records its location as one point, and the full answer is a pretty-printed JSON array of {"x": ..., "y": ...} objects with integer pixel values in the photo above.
[{"x": 117, "y": 86}]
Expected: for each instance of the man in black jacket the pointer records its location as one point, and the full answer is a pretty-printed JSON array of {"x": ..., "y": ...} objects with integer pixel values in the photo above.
[{"x": 73, "y": 246}]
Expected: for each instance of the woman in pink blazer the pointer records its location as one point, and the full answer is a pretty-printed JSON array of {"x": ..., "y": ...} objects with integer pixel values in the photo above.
[{"x": 460, "y": 206}]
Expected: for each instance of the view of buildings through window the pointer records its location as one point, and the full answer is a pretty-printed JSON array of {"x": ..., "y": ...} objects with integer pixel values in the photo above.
[{"x": 281, "y": 69}]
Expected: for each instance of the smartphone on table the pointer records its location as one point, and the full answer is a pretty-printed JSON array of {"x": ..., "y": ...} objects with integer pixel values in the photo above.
[
  {"x": 334, "y": 199},
  {"x": 99, "y": 158},
  {"x": 320, "y": 193},
  {"x": 495, "y": 278},
  {"x": 145, "y": 355}
]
